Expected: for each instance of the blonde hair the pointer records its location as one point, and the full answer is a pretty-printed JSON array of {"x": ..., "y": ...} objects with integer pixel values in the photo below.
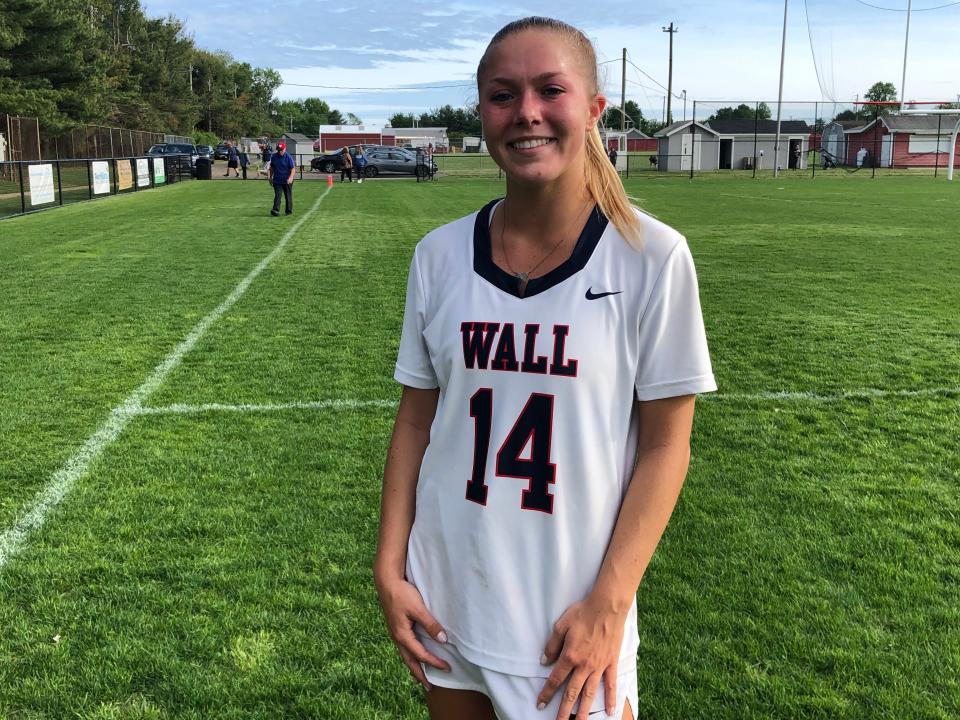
[{"x": 600, "y": 177}]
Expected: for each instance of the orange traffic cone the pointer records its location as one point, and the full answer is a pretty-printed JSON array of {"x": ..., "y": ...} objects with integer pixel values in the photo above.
[{"x": 329, "y": 181}]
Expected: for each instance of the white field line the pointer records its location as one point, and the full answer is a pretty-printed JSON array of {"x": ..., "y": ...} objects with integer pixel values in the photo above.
[
  {"x": 266, "y": 407},
  {"x": 868, "y": 393},
  {"x": 13, "y": 539}
]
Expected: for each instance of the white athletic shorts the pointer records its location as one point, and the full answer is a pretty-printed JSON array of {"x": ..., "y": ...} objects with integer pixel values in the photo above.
[{"x": 514, "y": 697}]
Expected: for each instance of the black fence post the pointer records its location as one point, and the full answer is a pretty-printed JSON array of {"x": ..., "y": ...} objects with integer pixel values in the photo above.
[
  {"x": 693, "y": 136},
  {"x": 876, "y": 129},
  {"x": 89, "y": 179},
  {"x": 816, "y": 123},
  {"x": 59, "y": 183},
  {"x": 23, "y": 196},
  {"x": 756, "y": 120},
  {"x": 936, "y": 155},
  {"x": 116, "y": 178}
]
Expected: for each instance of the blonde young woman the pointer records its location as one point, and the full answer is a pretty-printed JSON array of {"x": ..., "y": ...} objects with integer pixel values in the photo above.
[{"x": 552, "y": 348}]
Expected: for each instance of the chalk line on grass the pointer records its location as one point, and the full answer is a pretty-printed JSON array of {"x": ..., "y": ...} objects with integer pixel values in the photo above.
[
  {"x": 353, "y": 404},
  {"x": 178, "y": 409},
  {"x": 14, "y": 538}
]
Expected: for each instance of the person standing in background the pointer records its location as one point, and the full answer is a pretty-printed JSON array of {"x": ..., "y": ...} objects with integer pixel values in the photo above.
[
  {"x": 244, "y": 161},
  {"x": 346, "y": 169},
  {"x": 233, "y": 160},
  {"x": 281, "y": 177},
  {"x": 360, "y": 162}
]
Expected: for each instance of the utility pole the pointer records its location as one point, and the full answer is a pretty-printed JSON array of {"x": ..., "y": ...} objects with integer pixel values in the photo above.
[
  {"x": 783, "y": 54},
  {"x": 209, "y": 99},
  {"x": 672, "y": 30},
  {"x": 906, "y": 43},
  {"x": 684, "y": 93},
  {"x": 623, "y": 93}
]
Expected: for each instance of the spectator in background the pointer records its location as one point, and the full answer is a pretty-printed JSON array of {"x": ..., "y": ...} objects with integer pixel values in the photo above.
[
  {"x": 265, "y": 155},
  {"x": 244, "y": 161},
  {"x": 346, "y": 169},
  {"x": 233, "y": 160},
  {"x": 612, "y": 154},
  {"x": 281, "y": 177},
  {"x": 360, "y": 162}
]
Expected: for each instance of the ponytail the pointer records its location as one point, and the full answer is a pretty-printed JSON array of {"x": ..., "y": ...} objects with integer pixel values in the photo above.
[{"x": 604, "y": 186}]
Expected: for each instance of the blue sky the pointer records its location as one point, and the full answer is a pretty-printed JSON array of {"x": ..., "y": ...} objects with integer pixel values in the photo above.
[{"x": 723, "y": 50}]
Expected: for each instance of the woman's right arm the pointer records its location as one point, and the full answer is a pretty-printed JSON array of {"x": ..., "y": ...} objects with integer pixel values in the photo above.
[{"x": 401, "y": 601}]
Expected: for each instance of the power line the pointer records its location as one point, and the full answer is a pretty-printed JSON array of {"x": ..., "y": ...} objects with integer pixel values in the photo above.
[
  {"x": 398, "y": 89},
  {"x": 654, "y": 80},
  {"x": 938, "y": 7},
  {"x": 816, "y": 67}
]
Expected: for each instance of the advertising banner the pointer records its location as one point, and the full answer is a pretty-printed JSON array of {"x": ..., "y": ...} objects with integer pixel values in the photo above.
[
  {"x": 124, "y": 175},
  {"x": 41, "y": 184},
  {"x": 159, "y": 174},
  {"x": 101, "y": 177},
  {"x": 143, "y": 172}
]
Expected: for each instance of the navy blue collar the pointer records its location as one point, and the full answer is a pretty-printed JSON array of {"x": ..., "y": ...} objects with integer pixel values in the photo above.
[{"x": 484, "y": 266}]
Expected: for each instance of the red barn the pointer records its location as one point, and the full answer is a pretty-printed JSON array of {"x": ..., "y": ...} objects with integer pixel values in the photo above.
[
  {"x": 334, "y": 137},
  {"x": 905, "y": 141}
]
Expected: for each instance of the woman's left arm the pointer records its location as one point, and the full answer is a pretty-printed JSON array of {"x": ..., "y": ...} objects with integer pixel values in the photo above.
[{"x": 585, "y": 643}]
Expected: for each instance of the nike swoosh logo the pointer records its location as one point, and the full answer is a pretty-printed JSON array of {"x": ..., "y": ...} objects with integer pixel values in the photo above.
[{"x": 591, "y": 296}]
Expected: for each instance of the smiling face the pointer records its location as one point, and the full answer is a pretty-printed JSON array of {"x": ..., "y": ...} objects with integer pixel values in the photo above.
[{"x": 537, "y": 104}]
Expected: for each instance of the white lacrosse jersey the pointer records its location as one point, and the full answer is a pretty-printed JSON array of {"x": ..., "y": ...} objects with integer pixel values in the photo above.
[{"x": 534, "y": 440}]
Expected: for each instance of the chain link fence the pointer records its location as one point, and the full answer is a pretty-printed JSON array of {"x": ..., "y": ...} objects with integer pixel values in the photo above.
[
  {"x": 21, "y": 140},
  {"x": 741, "y": 137}
]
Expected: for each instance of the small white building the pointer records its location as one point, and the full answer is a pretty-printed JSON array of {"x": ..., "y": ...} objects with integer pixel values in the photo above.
[{"x": 299, "y": 146}]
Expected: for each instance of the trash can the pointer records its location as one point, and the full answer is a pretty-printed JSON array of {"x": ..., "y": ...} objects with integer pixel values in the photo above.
[{"x": 204, "y": 169}]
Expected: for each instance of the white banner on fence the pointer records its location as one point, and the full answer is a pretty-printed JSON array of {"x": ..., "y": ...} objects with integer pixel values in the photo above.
[
  {"x": 143, "y": 172},
  {"x": 41, "y": 184},
  {"x": 101, "y": 177},
  {"x": 159, "y": 176}
]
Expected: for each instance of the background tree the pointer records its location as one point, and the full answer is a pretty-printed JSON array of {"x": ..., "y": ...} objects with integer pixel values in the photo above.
[
  {"x": 881, "y": 92},
  {"x": 401, "y": 120},
  {"x": 742, "y": 111}
]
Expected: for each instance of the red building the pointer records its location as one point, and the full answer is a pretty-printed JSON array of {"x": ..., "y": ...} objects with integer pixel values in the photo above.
[
  {"x": 905, "y": 141},
  {"x": 334, "y": 137}
]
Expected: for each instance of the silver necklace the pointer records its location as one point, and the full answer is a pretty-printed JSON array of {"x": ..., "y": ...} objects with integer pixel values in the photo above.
[{"x": 524, "y": 277}]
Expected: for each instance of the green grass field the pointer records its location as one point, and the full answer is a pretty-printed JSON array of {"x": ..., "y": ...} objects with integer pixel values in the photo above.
[{"x": 214, "y": 562}]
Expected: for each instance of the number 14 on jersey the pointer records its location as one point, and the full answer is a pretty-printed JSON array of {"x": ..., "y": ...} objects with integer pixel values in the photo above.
[{"x": 533, "y": 427}]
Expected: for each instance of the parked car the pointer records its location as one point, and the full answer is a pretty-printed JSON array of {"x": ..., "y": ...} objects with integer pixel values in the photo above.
[
  {"x": 205, "y": 151},
  {"x": 186, "y": 154},
  {"x": 389, "y": 161},
  {"x": 331, "y": 162},
  {"x": 220, "y": 152}
]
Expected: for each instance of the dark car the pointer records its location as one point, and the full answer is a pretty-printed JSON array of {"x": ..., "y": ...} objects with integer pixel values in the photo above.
[
  {"x": 220, "y": 152},
  {"x": 205, "y": 151},
  {"x": 329, "y": 163},
  {"x": 184, "y": 155}
]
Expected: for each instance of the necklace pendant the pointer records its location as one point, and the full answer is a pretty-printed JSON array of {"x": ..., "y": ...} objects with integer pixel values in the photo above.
[{"x": 522, "y": 278}]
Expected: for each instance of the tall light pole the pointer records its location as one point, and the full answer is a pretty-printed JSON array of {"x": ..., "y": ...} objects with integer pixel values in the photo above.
[
  {"x": 672, "y": 30},
  {"x": 684, "y": 93},
  {"x": 906, "y": 43},
  {"x": 783, "y": 54},
  {"x": 623, "y": 91}
]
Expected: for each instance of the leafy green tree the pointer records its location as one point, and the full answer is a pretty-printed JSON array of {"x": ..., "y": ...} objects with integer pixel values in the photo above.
[
  {"x": 881, "y": 92},
  {"x": 51, "y": 65},
  {"x": 401, "y": 120},
  {"x": 742, "y": 111}
]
